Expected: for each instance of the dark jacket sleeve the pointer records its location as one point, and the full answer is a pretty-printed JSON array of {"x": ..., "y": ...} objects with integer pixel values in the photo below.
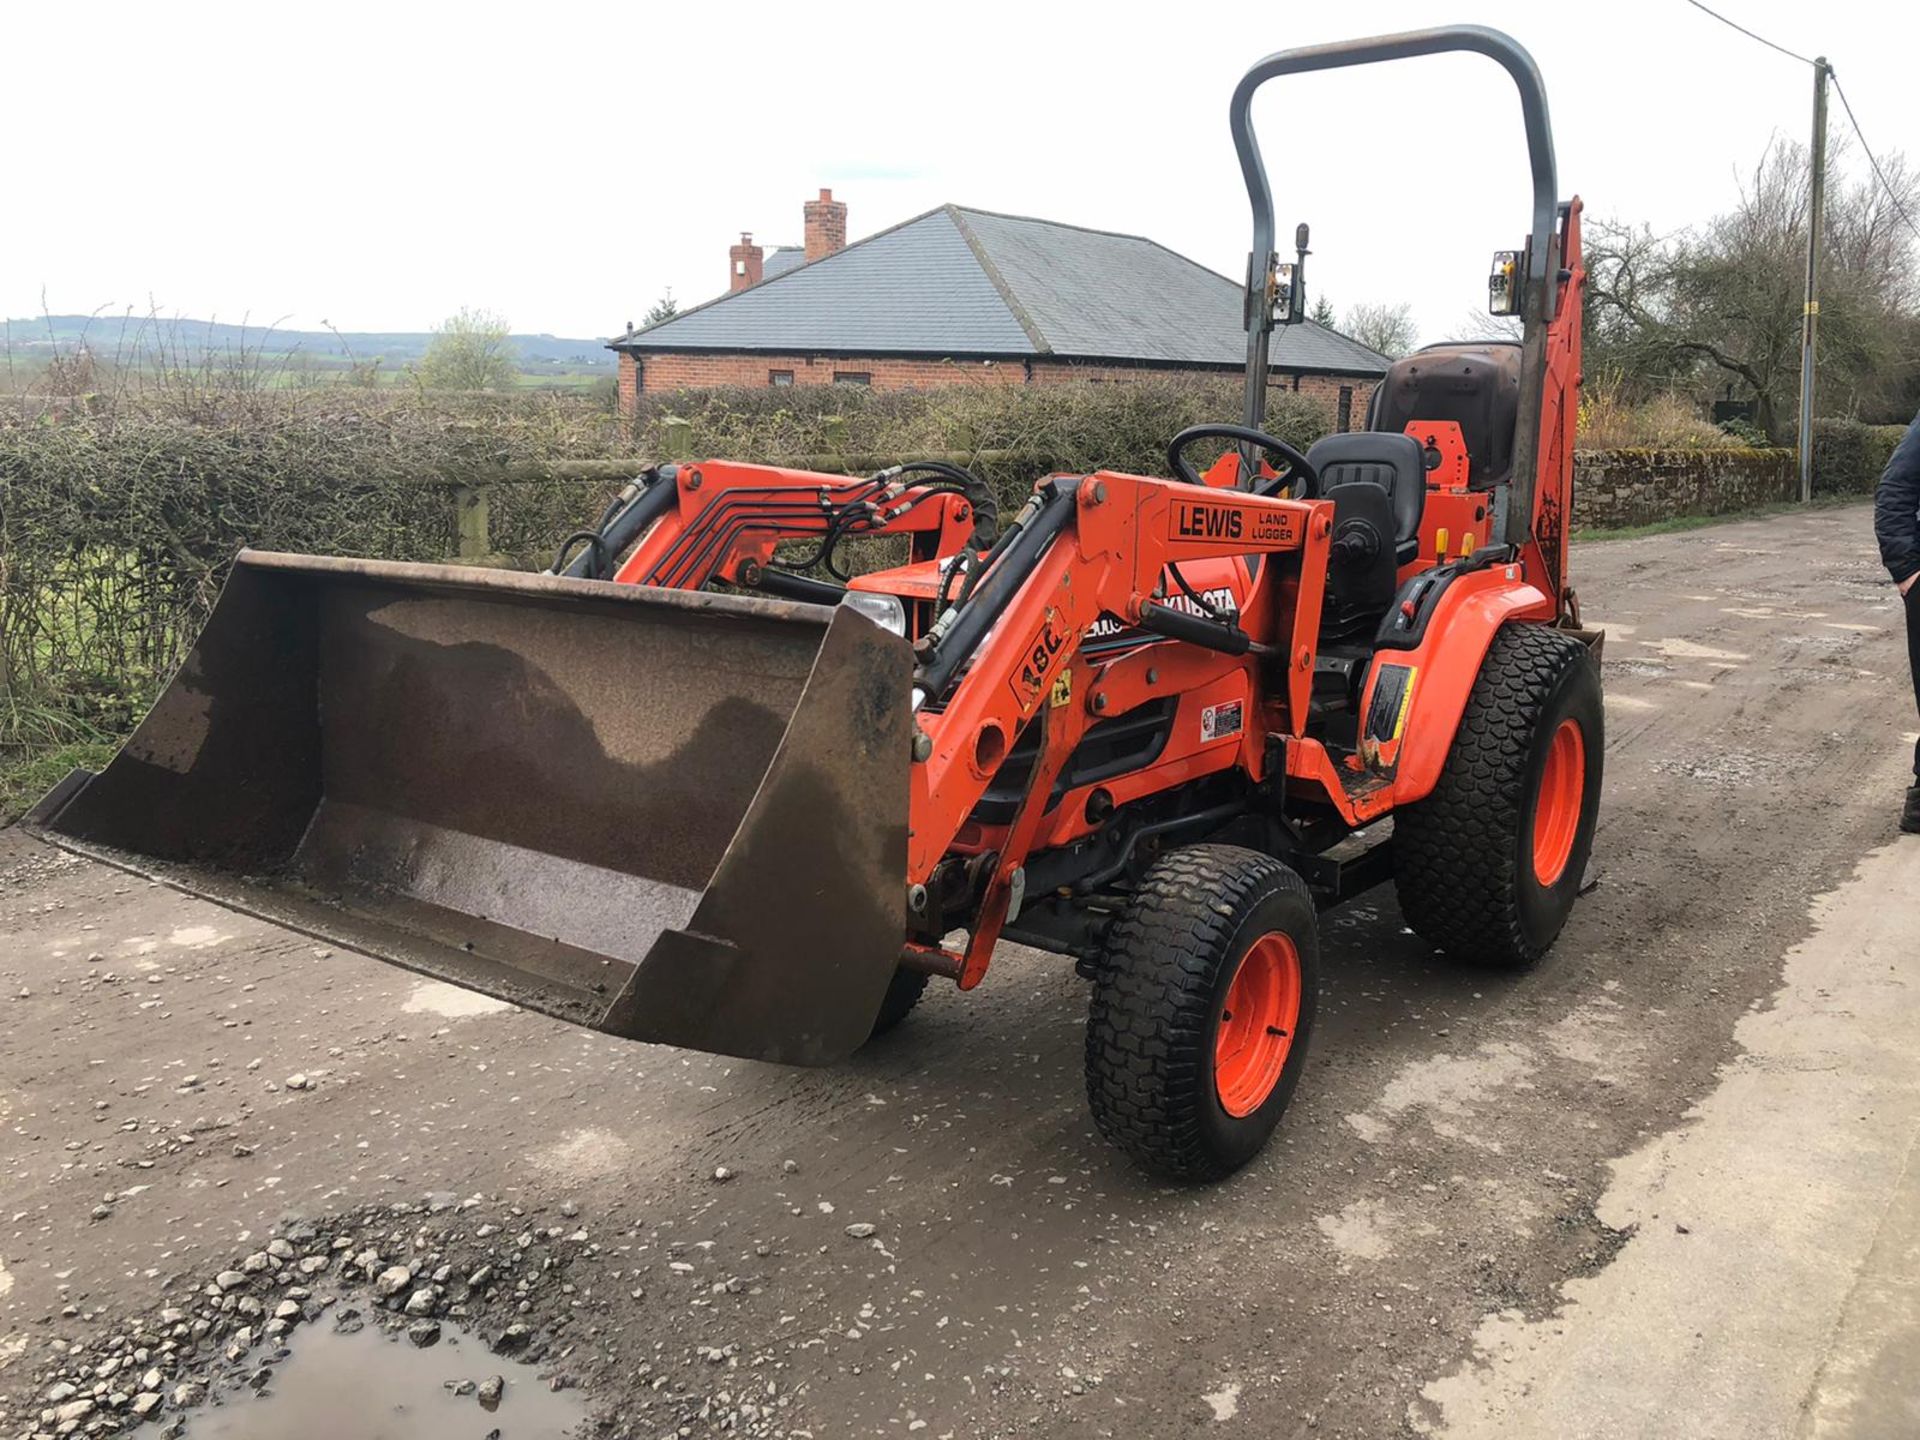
[{"x": 1896, "y": 507}]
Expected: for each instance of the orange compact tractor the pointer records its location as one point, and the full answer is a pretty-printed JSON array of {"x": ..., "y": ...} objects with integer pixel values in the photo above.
[{"x": 699, "y": 786}]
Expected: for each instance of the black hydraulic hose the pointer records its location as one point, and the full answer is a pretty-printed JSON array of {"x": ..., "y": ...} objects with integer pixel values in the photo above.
[
  {"x": 1207, "y": 607},
  {"x": 974, "y": 619},
  {"x": 986, "y": 508},
  {"x": 597, "y": 570},
  {"x": 987, "y": 562},
  {"x": 717, "y": 526},
  {"x": 628, "y": 525}
]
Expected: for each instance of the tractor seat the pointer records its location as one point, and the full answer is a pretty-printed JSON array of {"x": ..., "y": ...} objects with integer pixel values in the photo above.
[{"x": 1393, "y": 462}]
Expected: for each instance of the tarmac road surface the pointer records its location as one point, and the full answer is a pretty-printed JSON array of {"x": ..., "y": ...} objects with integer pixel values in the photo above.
[{"x": 1657, "y": 1187}]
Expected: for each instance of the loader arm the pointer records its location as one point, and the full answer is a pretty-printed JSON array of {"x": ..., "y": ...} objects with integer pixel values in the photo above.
[
  {"x": 1096, "y": 547},
  {"x": 725, "y": 521}
]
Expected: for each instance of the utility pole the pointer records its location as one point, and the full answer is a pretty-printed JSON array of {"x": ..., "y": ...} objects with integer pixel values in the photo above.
[{"x": 1811, "y": 315}]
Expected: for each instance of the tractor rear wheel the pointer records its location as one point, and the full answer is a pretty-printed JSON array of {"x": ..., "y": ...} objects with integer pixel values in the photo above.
[
  {"x": 1488, "y": 865},
  {"x": 1202, "y": 1006},
  {"x": 903, "y": 993}
]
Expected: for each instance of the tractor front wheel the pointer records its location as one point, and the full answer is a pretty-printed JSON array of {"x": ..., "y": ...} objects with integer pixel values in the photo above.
[
  {"x": 1488, "y": 865},
  {"x": 1202, "y": 1006},
  {"x": 903, "y": 993}
]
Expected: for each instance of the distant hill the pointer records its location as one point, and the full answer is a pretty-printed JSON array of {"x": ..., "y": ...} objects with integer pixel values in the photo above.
[{"x": 133, "y": 339}]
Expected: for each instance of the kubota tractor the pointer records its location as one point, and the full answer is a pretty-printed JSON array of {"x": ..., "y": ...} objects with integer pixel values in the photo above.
[{"x": 702, "y": 789}]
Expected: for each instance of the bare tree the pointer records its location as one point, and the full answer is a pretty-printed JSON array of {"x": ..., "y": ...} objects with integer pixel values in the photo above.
[
  {"x": 1720, "y": 306},
  {"x": 471, "y": 351},
  {"x": 1479, "y": 325},
  {"x": 1386, "y": 328}
]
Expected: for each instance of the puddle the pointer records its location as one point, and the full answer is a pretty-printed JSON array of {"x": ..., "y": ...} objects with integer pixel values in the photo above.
[{"x": 370, "y": 1385}]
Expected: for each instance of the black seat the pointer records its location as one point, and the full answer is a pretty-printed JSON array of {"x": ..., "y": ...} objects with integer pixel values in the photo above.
[
  {"x": 1475, "y": 384},
  {"x": 1392, "y": 462}
]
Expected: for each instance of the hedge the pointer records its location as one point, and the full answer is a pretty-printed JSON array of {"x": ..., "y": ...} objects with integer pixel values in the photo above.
[
  {"x": 118, "y": 519},
  {"x": 1848, "y": 456}
]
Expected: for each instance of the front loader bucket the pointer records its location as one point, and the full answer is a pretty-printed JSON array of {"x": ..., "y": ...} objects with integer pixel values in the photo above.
[{"x": 672, "y": 816}]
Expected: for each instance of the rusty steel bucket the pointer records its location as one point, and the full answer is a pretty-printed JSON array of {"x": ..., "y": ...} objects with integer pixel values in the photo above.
[{"x": 671, "y": 816}]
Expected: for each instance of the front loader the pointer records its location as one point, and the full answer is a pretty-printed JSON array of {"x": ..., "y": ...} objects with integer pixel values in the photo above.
[{"x": 700, "y": 785}]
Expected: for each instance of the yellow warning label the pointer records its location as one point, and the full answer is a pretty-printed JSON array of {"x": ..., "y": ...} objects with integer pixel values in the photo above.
[
  {"x": 1062, "y": 693},
  {"x": 1406, "y": 699}
]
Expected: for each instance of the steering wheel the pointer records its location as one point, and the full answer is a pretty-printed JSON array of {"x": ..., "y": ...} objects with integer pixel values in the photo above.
[{"x": 1298, "y": 472}]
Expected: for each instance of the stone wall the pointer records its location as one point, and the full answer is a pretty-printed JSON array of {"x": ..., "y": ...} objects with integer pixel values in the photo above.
[{"x": 1613, "y": 489}]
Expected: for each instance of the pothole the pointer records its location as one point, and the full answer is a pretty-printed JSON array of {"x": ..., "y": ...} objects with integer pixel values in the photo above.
[
  {"x": 353, "y": 1379},
  {"x": 389, "y": 1322}
]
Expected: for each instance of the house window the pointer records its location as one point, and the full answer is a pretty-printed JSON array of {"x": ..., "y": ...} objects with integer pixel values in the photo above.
[
  {"x": 852, "y": 377},
  {"x": 779, "y": 377},
  {"x": 1346, "y": 408}
]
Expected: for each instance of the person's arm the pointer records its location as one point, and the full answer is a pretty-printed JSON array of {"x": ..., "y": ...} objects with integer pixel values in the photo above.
[{"x": 1896, "y": 510}]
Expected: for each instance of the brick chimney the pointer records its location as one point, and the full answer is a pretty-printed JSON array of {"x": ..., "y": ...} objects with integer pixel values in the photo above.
[
  {"x": 826, "y": 226},
  {"x": 745, "y": 264}
]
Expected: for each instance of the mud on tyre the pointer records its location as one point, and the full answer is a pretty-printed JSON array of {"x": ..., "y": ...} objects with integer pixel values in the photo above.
[
  {"x": 1202, "y": 1007},
  {"x": 1488, "y": 865}
]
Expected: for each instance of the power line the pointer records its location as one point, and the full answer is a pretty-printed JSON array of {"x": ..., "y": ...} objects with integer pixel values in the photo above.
[
  {"x": 1879, "y": 174},
  {"x": 1899, "y": 207},
  {"x": 1790, "y": 54}
]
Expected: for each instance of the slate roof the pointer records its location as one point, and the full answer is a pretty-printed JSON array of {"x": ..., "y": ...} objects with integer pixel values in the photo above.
[
  {"x": 972, "y": 283},
  {"x": 782, "y": 259}
]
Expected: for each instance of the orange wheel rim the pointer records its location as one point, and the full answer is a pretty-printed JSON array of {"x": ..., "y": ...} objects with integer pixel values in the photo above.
[
  {"x": 1257, "y": 1023},
  {"x": 1556, "y": 814}
]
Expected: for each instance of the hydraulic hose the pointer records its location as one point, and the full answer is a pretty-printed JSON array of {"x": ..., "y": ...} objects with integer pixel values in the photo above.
[
  {"x": 659, "y": 488},
  {"x": 972, "y": 620}
]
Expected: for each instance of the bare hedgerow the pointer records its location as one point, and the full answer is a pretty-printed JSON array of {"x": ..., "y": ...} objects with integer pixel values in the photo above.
[{"x": 121, "y": 510}]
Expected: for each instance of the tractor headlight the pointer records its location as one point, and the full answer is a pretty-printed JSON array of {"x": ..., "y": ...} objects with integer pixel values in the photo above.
[{"x": 886, "y": 611}]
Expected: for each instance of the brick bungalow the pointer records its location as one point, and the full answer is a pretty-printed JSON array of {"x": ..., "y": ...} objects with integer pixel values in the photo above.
[{"x": 962, "y": 296}]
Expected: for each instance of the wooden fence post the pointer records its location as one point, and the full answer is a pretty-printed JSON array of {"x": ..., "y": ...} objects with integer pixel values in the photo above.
[
  {"x": 676, "y": 438},
  {"x": 473, "y": 535}
]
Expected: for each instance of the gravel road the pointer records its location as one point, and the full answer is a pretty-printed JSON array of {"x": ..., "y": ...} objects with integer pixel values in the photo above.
[{"x": 932, "y": 1238}]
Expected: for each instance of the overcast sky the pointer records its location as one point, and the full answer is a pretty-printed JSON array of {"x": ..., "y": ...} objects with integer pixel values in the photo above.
[{"x": 380, "y": 165}]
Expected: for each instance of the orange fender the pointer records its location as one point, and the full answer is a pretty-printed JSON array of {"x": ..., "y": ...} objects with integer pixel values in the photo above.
[{"x": 1414, "y": 698}]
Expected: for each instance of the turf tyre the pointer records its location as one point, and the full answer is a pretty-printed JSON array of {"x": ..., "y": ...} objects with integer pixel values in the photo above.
[
  {"x": 1156, "y": 1016},
  {"x": 1465, "y": 856}
]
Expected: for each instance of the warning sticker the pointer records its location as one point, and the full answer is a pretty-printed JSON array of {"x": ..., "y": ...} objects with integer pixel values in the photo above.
[
  {"x": 1219, "y": 721},
  {"x": 1392, "y": 693}
]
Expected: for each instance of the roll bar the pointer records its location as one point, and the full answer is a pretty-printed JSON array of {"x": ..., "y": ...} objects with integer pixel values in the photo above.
[{"x": 1542, "y": 261}]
